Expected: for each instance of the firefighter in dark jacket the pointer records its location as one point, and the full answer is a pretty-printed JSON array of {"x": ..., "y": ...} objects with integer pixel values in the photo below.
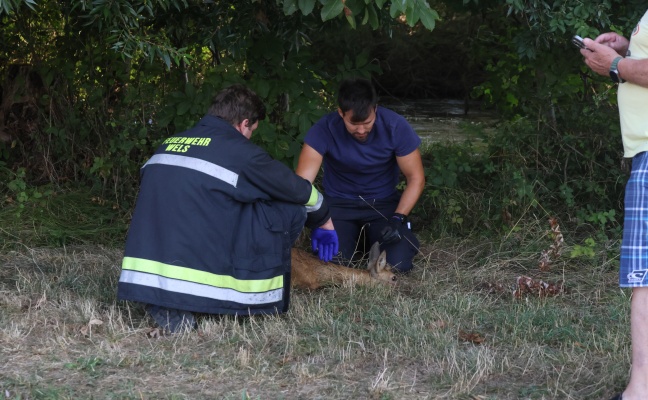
[{"x": 215, "y": 220}]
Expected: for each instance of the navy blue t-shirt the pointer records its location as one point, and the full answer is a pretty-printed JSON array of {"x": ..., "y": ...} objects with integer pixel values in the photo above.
[{"x": 367, "y": 169}]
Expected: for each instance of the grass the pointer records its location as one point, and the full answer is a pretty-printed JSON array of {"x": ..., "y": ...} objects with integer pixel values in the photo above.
[
  {"x": 449, "y": 330},
  {"x": 75, "y": 215}
]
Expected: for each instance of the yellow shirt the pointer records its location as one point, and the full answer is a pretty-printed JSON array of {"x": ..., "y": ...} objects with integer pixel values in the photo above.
[{"x": 633, "y": 99}]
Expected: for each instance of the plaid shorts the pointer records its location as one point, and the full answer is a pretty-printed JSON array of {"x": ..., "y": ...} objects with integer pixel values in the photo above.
[{"x": 634, "y": 247}]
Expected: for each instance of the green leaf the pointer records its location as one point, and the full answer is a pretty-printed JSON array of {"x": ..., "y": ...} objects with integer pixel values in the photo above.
[
  {"x": 429, "y": 18},
  {"x": 304, "y": 123},
  {"x": 190, "y": 90},
  {"x": 178, "y": 96},
  {"x": 262, "y": 88},
  {"x": 347, "y": 62},
  {"x": 362, "y": 59},
  {"x": 411, "y": 16},
  {"x": 306, "y": 6},
  {"x": 395, "y": 9},
  {"x": 283, "y": 145},
  {"x": 351, "y": 21},
  {"x": 331, "y": 9},
  {"x": 266, "y": 132},
  {"x": 289, "y": 7},
  {"x": 373, "y": 17},
  {"x": 5, "y": 7},
  {"x": 183, "y": 108}
]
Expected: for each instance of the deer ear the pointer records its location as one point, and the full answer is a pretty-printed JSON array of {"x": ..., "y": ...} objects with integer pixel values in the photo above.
[
  {"x": 382, "y": 260},
  {"x": 374, "y": 254}
]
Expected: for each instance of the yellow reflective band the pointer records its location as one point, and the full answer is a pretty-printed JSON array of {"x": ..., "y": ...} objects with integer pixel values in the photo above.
[
  {"x": 202, "y": 277},
  {"x": 197, "y": 289},
  {"x": 314, "y": 196}
]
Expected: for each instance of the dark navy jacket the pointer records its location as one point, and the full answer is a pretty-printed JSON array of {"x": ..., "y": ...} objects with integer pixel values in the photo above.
[{"x": 206, "y": 234}]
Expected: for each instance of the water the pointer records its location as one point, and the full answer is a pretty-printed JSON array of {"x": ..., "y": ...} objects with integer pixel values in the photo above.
[{"x": 436, "y": 120}]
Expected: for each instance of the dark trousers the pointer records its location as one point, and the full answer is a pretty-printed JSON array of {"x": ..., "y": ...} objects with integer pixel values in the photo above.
[
  {"x": 359, "y": 223},
  {"x": 294, "y": 218}
]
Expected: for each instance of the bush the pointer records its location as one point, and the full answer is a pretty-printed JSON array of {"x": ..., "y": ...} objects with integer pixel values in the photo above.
[{"x": 527, "y": 169}]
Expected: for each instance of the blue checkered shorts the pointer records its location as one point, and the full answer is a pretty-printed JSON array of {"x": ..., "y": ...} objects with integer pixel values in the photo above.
[{"x": 634, "y": 247}]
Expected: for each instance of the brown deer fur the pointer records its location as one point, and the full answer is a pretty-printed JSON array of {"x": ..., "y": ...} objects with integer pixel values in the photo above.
[{"x": 309, "y": 272}]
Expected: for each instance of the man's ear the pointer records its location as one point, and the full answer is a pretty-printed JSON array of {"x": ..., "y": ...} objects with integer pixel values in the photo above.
[
  {"x": 242, "y": 125},
  {"x": 340, "y": 112}
]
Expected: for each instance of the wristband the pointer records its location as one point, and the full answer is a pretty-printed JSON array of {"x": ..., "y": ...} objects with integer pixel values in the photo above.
[
  {"x": 614, "y": 71},
  {"x": 401, "y": 217}
]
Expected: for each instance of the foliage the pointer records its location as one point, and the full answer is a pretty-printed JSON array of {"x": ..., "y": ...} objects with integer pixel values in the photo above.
[
  {"x": 21, "y": 193},
  {"x": 9, "y": 6},
  {"x": 559, "y": 153},
  {"x": 136, "y": 72},
  {"x": 523, "y": 170},
  {"x": 90, "y": 88},
  {"x": 45, "y": 216},
  {"x": 532, "y": 65},
  {"x": 133, "y": 27},
  {"x": 368, "y": 11}
]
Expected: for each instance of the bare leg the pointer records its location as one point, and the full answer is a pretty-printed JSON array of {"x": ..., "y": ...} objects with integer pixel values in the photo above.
[{"x": 638, "y": 387}]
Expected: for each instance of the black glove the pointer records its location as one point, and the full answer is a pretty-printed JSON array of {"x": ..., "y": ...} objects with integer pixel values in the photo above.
[{"x": 391, "y": 233}]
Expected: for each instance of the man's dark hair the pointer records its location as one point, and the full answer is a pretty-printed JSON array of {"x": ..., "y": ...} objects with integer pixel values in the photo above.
[
  {"x": 237, "y": 103},
  {"x": 359, "y": 96}
]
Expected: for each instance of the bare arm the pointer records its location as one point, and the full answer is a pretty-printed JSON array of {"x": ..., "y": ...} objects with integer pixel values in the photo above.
[
  {"x": 412, "y": 167},
  {"x": 605, "y": 49},
  {"x": 635, "y": 71},
  {"x": 308, "y": 167},
  {"x": 309, "y": 163}
]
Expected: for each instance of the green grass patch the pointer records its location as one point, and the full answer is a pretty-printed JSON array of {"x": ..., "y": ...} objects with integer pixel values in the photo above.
[
  {"x": 452, "y": 329},
  {"x": 62, "y": 217},
  {"x": 439, "y": 334}
]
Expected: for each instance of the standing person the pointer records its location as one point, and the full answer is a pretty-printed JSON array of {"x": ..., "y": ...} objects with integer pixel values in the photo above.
[
  {"x": 626, "y": 62},
  {"x": 215, "y": 220},
  {"x": 363, "y": 148}
]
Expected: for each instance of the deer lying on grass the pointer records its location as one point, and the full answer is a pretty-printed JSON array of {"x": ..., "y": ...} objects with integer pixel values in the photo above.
[{"x": 308, "y": 272}]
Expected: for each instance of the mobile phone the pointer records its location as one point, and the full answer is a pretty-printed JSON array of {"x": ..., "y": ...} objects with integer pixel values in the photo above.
[{"x": 578, "y": 42}]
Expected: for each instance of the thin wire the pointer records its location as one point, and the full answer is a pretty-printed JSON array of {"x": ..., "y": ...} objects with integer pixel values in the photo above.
[{"x": 387, "y": 219}]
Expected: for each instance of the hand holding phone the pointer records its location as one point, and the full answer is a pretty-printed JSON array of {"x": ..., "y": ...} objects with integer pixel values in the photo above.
[{"x": 578, "y": 42}]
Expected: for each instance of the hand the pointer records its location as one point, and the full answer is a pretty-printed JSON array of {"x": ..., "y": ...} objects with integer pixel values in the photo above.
[
  {"x": 615, "y": 41},
  {"x": 598, "y": 56},
  {"x": 391, "y": 233},
  {"x": 325, "y": 242}
]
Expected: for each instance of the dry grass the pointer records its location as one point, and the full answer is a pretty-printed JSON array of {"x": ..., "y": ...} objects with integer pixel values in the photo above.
[{"x": 450, "y": 330}]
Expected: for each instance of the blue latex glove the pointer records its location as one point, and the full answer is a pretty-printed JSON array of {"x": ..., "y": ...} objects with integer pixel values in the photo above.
[{"x": 325, "y": 242}]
